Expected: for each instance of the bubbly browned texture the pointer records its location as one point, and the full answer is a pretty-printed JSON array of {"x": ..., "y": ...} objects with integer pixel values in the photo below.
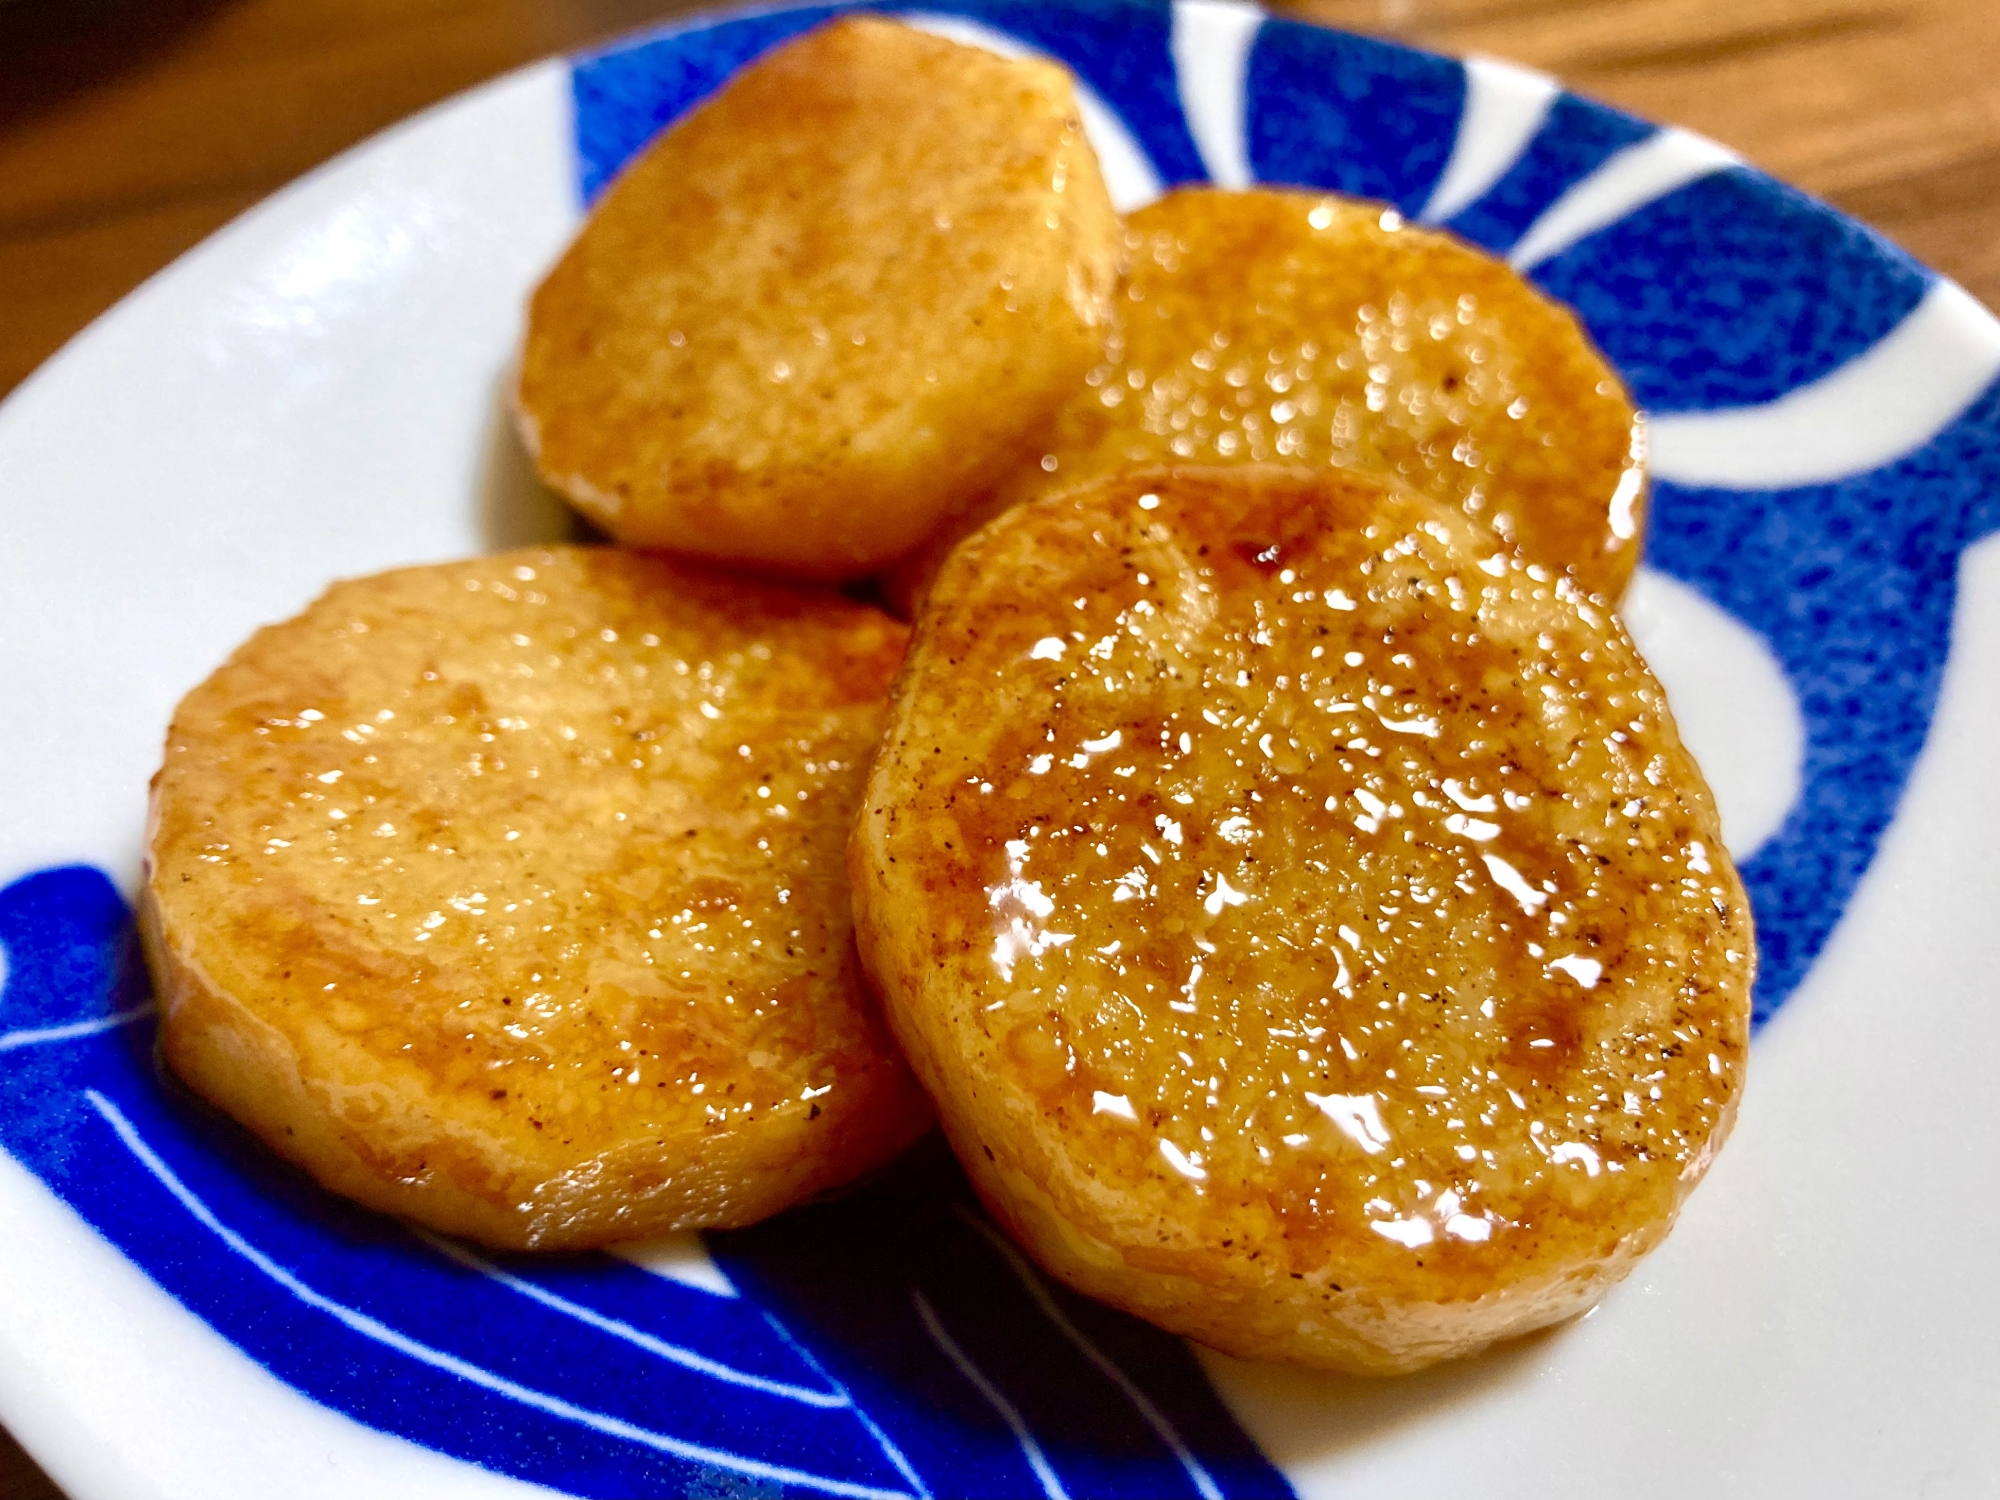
[
  {"x": 507, "y": 895},
  {"x": 1289, "y": 327},
  {"x": 827, "y": 307},
  {"x": 1303, "y": 913}
]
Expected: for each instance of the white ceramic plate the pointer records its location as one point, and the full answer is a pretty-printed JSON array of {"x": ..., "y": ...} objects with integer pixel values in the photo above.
[{"x": 315, "y": 393}]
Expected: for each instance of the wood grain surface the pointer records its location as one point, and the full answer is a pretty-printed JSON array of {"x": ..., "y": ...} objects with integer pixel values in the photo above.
[{"x": 131, "y": 129}]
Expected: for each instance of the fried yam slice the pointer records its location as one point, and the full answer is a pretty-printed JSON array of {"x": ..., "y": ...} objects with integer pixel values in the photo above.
[
  {"x": 507, "y": 895},
  {"x": 828, "y": 306},
  {"x": 1290, "y": 327},
  {"x": 1304, "y": 914}
]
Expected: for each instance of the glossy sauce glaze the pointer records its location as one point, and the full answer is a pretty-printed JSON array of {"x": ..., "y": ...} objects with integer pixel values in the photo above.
[
  {"x": 1290, "y": 893},
  {"x": 520, "y": 880}
]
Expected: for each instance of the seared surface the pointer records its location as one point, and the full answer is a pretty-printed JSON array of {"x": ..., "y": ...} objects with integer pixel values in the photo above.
[
  {"x": 1277, "y": 326},
  {"x": 828, "y": 306},
  {"x": 507, "y": 895},
  {"x": 1304, "y": 914}
]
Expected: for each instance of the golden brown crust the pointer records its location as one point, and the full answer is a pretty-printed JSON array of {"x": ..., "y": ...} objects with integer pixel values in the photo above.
[
  {"x": 1303, "y": 912},
  {"x": 828, "y": 306},
  {"x": 506, "y": 895},
  {"x": 1292, "y": 327}
]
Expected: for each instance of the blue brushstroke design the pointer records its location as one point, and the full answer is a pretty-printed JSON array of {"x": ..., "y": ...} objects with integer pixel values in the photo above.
[
  {"x": 1732, "y": 291},
  {"x": 1350, "y": 114},
  {"x": 1098, "y": 1441},
  {"x": 1577, "y": 137},
  {"x": 1853, "y": 585}
]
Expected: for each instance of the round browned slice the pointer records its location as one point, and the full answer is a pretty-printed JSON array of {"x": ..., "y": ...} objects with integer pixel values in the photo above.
[
  {"x": 823, "y": 310},
  {"x": 507, "y": 895},
  {"x": 1289, "y": 327},
  {"x": 1304, "y": 914}
]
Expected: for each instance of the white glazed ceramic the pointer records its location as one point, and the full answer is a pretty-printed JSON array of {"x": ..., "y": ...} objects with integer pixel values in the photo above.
[{"x": 315, "y": 393}]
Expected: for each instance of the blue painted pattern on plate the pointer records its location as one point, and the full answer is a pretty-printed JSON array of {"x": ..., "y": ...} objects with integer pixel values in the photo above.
[
  {"x": 1576, "y": 138},
  {"x": 1852, "y": 584},
  {"x": 1349, "y": 113},
  {"x": 1732, "y": 291},
  {"x": 891, "y": 1342}
]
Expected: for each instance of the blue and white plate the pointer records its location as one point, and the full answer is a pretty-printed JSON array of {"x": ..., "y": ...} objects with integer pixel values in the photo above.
[{"x": 315, "y": 392}]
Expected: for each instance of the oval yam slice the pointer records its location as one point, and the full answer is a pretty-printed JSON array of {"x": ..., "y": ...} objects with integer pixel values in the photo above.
[
  {"x": 1291, "y": 327},
  {"x": 1304, "y": 914},
  {"x": 507, "y": 895},
  {"x": 827, "y": 307}
]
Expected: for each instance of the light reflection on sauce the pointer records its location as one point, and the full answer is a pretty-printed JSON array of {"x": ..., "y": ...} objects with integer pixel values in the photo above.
[{"x": 1020, "y": 909}]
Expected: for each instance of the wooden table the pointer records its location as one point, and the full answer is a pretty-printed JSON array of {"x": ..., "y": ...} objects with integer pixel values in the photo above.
[{"x": 129, "y": 131}]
